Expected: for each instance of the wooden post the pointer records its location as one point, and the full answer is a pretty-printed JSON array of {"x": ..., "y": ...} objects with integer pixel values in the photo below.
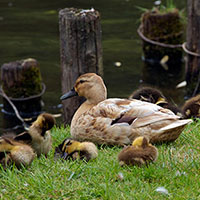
[
  {"x": 22, "y": 83},
  {"x": 193, "y": 45},
  {"x": 162, "y": 35},
  {"x": 80, "y": 49}
]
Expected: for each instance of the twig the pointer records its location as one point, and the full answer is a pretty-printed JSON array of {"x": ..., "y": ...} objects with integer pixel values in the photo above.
[{"x": 14, "y": 108}]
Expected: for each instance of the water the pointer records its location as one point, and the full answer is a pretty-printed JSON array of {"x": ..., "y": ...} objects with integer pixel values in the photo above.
[{"x": 30, "y": 29}]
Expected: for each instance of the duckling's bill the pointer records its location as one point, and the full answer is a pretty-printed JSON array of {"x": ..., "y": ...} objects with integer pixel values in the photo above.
[{"x": 69, "y": 94}]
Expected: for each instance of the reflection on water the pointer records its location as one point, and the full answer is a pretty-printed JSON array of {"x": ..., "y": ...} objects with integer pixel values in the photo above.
[{"x": 30, "y": 29}]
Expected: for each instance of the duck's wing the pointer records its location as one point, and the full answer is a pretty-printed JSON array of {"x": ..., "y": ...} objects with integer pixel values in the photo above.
[{"x": 120, "y": 121}]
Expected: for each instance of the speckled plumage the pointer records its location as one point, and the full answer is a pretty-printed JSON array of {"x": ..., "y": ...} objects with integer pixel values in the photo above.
[{"x": 119, "y": 121}]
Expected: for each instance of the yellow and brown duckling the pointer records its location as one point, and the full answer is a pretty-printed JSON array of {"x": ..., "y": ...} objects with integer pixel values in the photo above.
[
  {"x": 12, "y": 151},
  {"x": 153, "y": 95},
  {"x": 140, "y": 153},
  {"x": 38, "y": 134},
  {"x": 191, "y": 108},
  {"x": 73, "y": 149},
  {"x": 116, "y": 121}
]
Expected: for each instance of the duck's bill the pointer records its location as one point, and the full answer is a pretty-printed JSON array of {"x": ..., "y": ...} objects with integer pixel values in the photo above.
[{"x": 69, "y": 94}]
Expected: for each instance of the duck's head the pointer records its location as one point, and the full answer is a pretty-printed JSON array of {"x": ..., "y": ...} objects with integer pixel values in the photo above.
[
  {"x": 149, "y": 94},
  {"x": 140, "y": 142},
  {"x": 90, "y": 86},
  {"x": 45, "y": 121}
]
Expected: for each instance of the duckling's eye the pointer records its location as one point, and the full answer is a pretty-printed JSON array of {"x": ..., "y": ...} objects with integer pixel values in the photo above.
[{"x": 68, "y": 142}]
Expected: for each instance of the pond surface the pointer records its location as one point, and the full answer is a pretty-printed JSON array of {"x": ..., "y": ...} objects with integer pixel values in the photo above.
[{"x": 30, "y": 29}]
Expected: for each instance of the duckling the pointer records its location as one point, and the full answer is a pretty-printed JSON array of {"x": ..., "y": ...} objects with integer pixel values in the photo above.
[
  {"x": 148, "y": 94},
  {"x": 15, "y": 152},
  {"x": 38, "y": 134},
  {"x": 116, "y": 121},
  {"x": 153, "y": 95},
  {"x": 140, "y": 153},
  {"x": 191, "y": 108},
  {"x": 73, "y": 149}
]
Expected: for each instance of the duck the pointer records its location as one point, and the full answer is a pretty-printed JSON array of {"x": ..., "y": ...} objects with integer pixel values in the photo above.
[
  {"x": 140, "y": 153},
  {"x": 75, "y": 150},
  {"x": 154, "y": 95},
  {"x": 13, "y": 152},
  {"x": 116, "y": 121},
  {"x": 191, "y": 108},
  {"x": 38, "y": 135}
]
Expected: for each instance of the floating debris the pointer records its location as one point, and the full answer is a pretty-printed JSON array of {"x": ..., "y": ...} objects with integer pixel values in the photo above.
[
  {"x": 157, "y": 3},
  {"x": 118, "y": 64},
  {"x": 162, "y": 190},
  {"x": 163, "y": 62},
  {"x": 181, "y": 84}
]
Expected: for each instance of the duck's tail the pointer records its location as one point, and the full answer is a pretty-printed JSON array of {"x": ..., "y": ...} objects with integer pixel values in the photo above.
[{"x": 176, "y": 124}]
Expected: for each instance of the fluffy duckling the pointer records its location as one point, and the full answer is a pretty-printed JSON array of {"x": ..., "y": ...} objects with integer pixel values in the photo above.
[
  {"x": 191, "y": 108},
  {"x": 140, "y": 153},
  {"x": 148, "y": 94},
  {"x": 116, "y": 121},
  {"x": 73, "y": 149},
  {"x": 15, "y": 152},
  {"x": 153, "y": 95},
  {"x": 38, "y": 135}
]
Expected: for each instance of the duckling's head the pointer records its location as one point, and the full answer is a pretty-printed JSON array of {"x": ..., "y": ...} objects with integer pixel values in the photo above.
[
  {"x": 90, "y": 86},
  {"x": 45, "y": 121},
  {"x": 70, "y": 146},
  {"x": 191, "y": 108},
  {"x": 149, "y": 94},
  {"x": 6, "y": 144},
  {"x": 77, "y": 150},
  {"x": 140, "y": 142}
]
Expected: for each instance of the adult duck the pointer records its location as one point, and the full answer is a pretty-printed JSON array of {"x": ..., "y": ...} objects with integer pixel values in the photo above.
[{"x": 117, "y": 121}]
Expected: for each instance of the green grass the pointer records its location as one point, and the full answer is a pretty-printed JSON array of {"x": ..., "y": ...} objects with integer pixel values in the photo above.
[{"x": 177, "y": 170}]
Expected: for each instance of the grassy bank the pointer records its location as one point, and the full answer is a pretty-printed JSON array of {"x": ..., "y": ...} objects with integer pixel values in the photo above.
[{"x": 177, "y": 170}]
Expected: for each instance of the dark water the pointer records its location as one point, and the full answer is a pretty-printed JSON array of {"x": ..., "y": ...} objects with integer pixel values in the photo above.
[{"x": 30, "y": 29}]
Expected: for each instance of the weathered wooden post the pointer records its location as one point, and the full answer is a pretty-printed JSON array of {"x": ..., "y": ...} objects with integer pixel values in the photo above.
[
  {"x": 193, "y": 48},
  {"x": 162, "y": 34},
  {"x": 80, "y": 49},
  {"x": 22, "y": 84}
]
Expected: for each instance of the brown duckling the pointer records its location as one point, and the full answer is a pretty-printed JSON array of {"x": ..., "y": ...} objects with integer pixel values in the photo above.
[
  {"x": 73, "y": 149},
  {"x": 15, "y": 152},
  {"x": 191, "y": 108},
  {"x": 38, "y": 135},
  {"x": 153, "y": 95},
  {"x": 140, "y": 153}
]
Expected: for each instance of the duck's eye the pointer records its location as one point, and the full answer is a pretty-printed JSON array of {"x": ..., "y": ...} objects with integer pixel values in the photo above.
[{"x": 82, "y": 81}]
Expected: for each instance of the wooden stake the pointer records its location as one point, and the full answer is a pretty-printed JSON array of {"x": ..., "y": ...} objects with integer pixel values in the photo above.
[{"x": 80, "y": 49}]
